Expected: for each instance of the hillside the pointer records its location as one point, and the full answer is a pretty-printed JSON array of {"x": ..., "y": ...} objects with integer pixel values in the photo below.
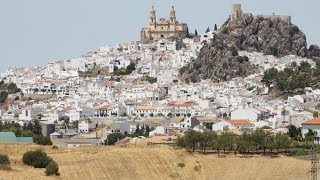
[
  {"x": 268, "y": 35},
  {"x": 152, "y": 163}
]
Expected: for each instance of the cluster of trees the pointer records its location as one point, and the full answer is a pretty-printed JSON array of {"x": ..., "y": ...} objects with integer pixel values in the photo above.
[
  {"x": 27, "y": 130},
  {"x": 6, "y": 89},
  {"x": 3, "y": 96},
  {"x": 124, "y": 71},
  {"x": 40, "y": 159},
  {"x": 140, "y": 131},
  {"x": 151, "y": 80},
  {"x": 253, "y": 142},
  {"x": 293, "y": 78},
  {"x": 295, "y": 133}
]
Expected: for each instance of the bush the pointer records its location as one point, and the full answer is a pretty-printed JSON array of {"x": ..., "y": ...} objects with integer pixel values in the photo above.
[
  {"x": 224, "y": 30},
  {"x": 42, "y": 140},
  {"x": 37, "y": 159},
  {"x": 4, "y": 159},
  {"x": 52, "y": 169},
  {"x": 299, "y": 152},
  {"x": 181, "y": 165},
  {"x": 233, "y": 51},
  {"x": 55, "y": 147},
  {"x": 113, "y": 138}
]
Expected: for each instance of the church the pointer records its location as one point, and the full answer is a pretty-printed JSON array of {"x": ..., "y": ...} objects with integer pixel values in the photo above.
[{"x": 165, "y": 28}]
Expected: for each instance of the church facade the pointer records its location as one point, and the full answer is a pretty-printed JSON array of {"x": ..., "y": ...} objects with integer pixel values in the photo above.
[{"x": 164, "y": 28}]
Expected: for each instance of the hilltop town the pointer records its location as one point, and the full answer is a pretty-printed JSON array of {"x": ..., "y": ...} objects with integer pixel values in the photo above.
[{"x": 138, "y": 88}]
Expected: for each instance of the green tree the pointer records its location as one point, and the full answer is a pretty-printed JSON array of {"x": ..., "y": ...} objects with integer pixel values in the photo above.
[
  {"x": 192, "y": 139},
  {"x": 52, "y": 169},
  {"x": 42, "y": 140},
  {"x": 282, "y": 141},
  {"x": 208, "y": 30},
  {"x": 12, "y": 88},
  {"x": 147, "y": 131},
  {"x": 294, "y": 132},
  {"x": 208, "y": 125},
  {"x": 3, "y": 96},
  {"x": 215, "y": 27},
  {"x": 37, "y": 159},
  {"x": 130, "y": 68},
  {"x": 309, "y": 136},
  {"x": 206, "y": 139},
  {"x": 270, "y": 76},
  {"x": 315, "y": 114},
  {"x": 180, "y": 141},
  {"x": 245, "y": 143},
  {"x": 37, "y": 129},
  {"x": 113, "y": 138}
]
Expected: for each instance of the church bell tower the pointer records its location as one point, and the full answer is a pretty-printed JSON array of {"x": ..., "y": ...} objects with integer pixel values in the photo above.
[
  {"x": 173, "y": 18},
  {"x": 153, "y": 17}
]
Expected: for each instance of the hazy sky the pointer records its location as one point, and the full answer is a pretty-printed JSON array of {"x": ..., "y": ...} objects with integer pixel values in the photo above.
[{"x": 35, "y": 32}]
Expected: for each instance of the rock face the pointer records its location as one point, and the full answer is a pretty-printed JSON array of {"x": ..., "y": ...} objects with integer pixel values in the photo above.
[
  {"x": 314, "y": 52},
  {"x": 271, "y": 36},
  {"x": 217, "y": 62},
  {"x": 268, "y": 35}
]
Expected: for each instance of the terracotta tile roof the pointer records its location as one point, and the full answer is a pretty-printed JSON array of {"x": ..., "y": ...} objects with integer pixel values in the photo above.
[
  {"x": 144, "y": 108},
  {"x": 315, "y": 121},
  {"x": 104, "y": 107},
  {"x": 239, "y": 122}
]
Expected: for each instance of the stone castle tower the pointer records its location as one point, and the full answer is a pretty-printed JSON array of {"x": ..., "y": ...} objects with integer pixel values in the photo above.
[
  {"x": 164, "y": 28},
  {"x": 236, "y": 11}
]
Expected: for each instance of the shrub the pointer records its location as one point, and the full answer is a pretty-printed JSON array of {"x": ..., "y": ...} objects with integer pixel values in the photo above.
[
  {"x": 55, "y": 147},
  {"x": 52, "y": 169},
  {"x": 299, "y": 152},
  {"x": 233, "y": 51},
  {"x": 4, "y": 159},
  {"x": 181, "y": 165},
  {"x": 224, "y": 30},
  {"x": 197, "y": 167},
  {"x": 42, "y": 140},
  {"x": 37, "y": 159}
]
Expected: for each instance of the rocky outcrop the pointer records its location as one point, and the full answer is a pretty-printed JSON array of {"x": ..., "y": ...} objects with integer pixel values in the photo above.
[
  {"x": 269, "y": 35},
  {"x": 217, "y": 62},
  {"x": 314, "y": 52}
]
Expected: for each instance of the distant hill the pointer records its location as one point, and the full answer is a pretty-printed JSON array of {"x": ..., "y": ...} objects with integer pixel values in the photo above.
[{"x": 144, "y": 162}]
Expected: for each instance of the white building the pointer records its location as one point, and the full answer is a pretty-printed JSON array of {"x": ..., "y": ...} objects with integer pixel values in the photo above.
[
  {"x": 226, "y": 125},
  {"x": 86, "y": 126}
]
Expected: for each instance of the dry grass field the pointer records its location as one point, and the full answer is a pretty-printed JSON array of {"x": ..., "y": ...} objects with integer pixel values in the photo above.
[{"x": 158, "y": 162}]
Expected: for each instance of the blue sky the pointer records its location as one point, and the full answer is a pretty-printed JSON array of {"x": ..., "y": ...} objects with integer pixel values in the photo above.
[{"x": 35, "y": 32}]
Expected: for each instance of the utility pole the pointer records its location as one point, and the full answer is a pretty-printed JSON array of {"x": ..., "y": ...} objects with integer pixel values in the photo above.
[{"x": 314, "y": 163}]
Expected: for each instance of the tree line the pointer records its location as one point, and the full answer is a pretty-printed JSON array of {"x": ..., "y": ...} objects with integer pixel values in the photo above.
[
  {"x": 30, "y": 129},
  {"x": 249, "y": 142}
]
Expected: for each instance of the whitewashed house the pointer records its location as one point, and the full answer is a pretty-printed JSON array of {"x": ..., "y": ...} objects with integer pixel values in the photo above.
[
  {"x": 86, "y": 126},
  {"x": 226, "y": 125}
]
